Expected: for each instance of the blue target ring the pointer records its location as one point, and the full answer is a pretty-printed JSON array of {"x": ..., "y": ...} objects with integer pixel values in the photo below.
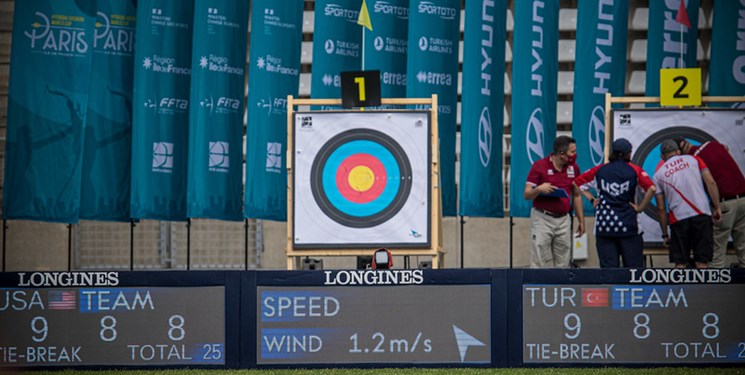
[
  {"x": 377, "y": 145},
  {"x": 332, "y": 190}
]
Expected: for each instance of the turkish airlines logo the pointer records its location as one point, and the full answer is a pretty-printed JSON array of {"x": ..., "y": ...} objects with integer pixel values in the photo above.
[
  {"x": 534, "y": 136},
  {"x": 329, "y": 46},
  {"x": 485, "y": 137},
  {"x": 595, "y": 297},
  {"x": 596, "y": 135}
]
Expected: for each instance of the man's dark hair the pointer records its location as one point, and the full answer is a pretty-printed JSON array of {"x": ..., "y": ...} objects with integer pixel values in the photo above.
[
  {"x": 620, "y": 155},
  {"x": 680, "y": 141},
  {"x": 561, "y": 144}
]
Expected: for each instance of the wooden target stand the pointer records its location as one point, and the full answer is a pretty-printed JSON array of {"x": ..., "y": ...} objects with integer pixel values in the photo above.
[
  {"x": 434, "y": 250},
  {"x": 649, "y": 252}
]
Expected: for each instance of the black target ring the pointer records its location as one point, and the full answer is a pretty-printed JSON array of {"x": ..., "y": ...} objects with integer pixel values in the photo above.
[{"x": 363, "y": 221}]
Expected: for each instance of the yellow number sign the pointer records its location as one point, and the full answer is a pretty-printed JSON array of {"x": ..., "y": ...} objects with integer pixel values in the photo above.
[{"x": 680, "y": 87}]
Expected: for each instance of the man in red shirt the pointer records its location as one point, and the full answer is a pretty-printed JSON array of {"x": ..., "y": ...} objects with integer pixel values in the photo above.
[
  {"x": 549, "y": 186},
  {"x": 731, "y": 184}
]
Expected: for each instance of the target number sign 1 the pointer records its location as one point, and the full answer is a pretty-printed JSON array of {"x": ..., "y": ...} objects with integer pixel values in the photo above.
[
  {"x": 360, "y": 89},
  {"x": 361, "y": 179},
  {"x": 680, "y": 87}
]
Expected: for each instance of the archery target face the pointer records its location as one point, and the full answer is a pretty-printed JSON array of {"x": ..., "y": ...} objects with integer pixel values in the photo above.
[
  {"x": 361, "y": 179},
  {"x": 646, "y": 129}
]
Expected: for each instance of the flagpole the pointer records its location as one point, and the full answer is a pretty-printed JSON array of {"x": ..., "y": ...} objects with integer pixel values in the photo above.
[
  {"x": 363, "y": 49},
  {"x": 681, "y": 46}
]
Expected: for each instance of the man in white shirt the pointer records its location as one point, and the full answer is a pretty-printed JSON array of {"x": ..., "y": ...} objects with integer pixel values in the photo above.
[{"x": 680, "y": 181}]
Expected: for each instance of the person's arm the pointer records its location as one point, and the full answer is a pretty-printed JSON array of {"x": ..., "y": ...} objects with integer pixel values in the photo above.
[
  {"x": 587, "y": 194},
  {"x": 577, "y": 202},
  {"x": 645, "y": 200},
  {"x": 646, "y": 184},
  {"x": 713, "y": 190},
  {"x": 662, "y": 217},
  {"x": 532, "y": 191}
]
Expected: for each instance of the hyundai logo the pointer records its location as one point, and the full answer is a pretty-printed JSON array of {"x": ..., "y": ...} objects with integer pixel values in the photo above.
[
  {"x": 534, "y": 136},
  {"x": 485, "y": 137},
  {"x": 596, "y": 135}
]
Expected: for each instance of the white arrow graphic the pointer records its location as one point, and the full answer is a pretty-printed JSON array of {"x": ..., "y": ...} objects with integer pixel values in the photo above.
[{"x": 465, "y": 340}]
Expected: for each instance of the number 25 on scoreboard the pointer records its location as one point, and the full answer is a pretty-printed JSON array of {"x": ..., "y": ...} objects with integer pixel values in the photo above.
[{"x": 680, "y": 87}]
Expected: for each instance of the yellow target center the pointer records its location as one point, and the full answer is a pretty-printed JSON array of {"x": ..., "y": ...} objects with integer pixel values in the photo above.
[{"x": 361, "y": 178}]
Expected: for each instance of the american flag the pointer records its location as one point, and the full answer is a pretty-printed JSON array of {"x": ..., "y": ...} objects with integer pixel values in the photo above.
[{"x": 61, "y": 300}]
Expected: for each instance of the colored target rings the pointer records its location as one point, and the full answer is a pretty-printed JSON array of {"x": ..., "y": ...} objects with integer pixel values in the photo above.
[{"x": 361, "y": 178}]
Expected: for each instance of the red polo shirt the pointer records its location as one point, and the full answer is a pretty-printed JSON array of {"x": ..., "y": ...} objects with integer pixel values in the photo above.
[
  {"x": 723, "y": 168},
  {"x": 543, "y": 171}
]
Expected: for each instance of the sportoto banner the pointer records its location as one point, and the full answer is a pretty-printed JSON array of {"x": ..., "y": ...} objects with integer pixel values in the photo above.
[
  {"x": 534, "y": 68},
  {"x": 337, "y": 46},
  {"x": 47, "y": 101},
  {"x": 160, "y": 126},
  {"x": 274, "y": 74},
  {"x": 482, "y": 116},
  {"x": 107, "y": 151},
  {"x": 727, "y": 51},
  {"x": 361, "y": 179},
  {"x": 434, "y": 34},
  {"x": 386, "y": 45},
  {"x": 646, "y": 129},
  {"x": 664, "y": 44},
  {"x": 600, "y": 68},
  {"x": 215, "y": 184}
]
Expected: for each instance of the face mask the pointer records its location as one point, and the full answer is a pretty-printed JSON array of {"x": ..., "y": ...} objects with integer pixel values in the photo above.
[{"x": 571, "y": 159}]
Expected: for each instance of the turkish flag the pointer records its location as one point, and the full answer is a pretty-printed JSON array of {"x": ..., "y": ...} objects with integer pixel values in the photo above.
[
  {"x": 682, "y": 16},
  {"x": 595, "y": 297}
]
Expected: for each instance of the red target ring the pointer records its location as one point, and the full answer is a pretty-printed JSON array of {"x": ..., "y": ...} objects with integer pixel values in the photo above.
[{"x": 361, "y": 178}]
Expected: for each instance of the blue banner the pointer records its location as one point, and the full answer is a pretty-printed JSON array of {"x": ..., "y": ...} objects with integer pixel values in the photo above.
[
  {"x": 106, "y": 181},
  {"x": 215, "y": 183},
  {"x": 664, "y": 43},
  {"x": 482, "y": 115},
  {"x": 161, "y": 109},
  {"x": 47, "y": 100},
  {"x": 600, "y": 68},
  {"x": 337, "y": 46},
  {"x": 534, "y": 95},
  {"x": 385, "y": 47},
  {"x": 727, "y": 72},
  {"x": 274, "y": 73},
  {"x": 434, "y": 34}
]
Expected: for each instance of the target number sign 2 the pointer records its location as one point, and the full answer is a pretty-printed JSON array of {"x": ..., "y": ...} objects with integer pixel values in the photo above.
[
  {"x": 361, "y": 179},
  {"x": 681, "y": 87}
]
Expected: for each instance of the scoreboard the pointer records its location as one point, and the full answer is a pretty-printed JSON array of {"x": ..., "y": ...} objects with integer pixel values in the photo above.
[
  {"x": 375, "y": 317},
  {"x": 372, "y": 318},
  {"x": 655, "y": 322},
  {"x": 98, "y": 319}
]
